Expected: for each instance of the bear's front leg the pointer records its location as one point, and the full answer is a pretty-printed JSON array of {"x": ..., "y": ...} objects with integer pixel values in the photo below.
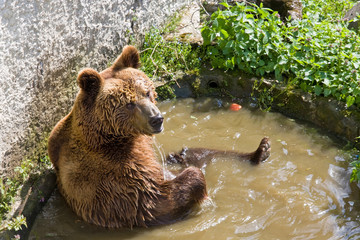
[
  {"x": 179, "y": 196},
  {"x": 199, "y": 157}
]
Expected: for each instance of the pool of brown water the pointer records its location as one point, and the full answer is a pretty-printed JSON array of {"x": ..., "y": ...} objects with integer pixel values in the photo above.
[{"x": 301, "y": 192}]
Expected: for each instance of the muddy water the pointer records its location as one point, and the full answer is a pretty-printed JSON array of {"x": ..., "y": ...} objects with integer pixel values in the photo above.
[{"x": 300, "y": 192}]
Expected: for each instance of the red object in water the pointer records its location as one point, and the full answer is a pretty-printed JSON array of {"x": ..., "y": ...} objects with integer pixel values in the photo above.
[{"x": 235, "y": 107}]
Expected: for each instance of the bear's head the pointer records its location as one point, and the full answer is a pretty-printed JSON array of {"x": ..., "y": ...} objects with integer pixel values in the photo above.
[{"x": 119, "y": 101}]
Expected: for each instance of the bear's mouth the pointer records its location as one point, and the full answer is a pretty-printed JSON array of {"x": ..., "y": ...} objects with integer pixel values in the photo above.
[
  {"x": 156, "y": 131},
  {"x": 156, "y": 123}
]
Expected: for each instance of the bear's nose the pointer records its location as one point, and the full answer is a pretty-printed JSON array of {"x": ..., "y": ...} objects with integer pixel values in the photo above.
[{"x": 156, "y": 122}]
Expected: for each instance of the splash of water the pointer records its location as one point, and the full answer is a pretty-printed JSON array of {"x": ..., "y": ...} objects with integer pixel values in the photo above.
[{"x": 160, "y": 151}]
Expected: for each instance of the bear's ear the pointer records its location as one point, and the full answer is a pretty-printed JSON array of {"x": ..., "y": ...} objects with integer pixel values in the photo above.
[
  {"x": 89, "y": 80},
  {"x": 129, "y": 58}
]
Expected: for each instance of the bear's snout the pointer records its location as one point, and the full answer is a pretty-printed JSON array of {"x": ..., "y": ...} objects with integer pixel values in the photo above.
[{"x": 156, "y": 123}]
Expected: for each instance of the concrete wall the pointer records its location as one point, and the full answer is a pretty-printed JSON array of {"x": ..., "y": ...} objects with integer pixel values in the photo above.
[{"x": 43, "y": 44}]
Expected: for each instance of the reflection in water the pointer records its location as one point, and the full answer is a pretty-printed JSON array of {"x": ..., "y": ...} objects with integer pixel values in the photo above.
[{"x": 301, "y": 192}]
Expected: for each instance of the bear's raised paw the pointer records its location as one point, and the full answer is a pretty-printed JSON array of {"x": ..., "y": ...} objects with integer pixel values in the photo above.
[{"x": 263, "y": 151}]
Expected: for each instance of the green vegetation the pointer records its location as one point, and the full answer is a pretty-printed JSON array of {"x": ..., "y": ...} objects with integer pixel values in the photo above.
[
  {"x": 355, "y": 164},
  {"x": 326, "y": 9},
  {"x": 161, "y": 59},
  {"x": 355, "y": 174},
  {"x": 319, "y": 53},
  {"x": 164, "y": 58},
  {"x": 265, "y": 96},
  {"x": 28, "y": 170}
]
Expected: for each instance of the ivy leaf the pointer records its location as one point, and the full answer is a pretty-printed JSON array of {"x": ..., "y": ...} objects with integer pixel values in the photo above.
[
  {"x": 219, "y": 23},
  {"x": 263, "y": 12},
  {"x": 212, "y": 36},
  {"x": 270, "y": 66},
  {"x": 326, "y": 82},
  {"x": 327, "y": 92},
  {"x": 304, "y": 86},
  {"x": 266, "y": 38},
  {"x": 230, "y": 44},
  {"x": 350, "y": 101},
  {"x": 215, "y": 23},
  {"x": 214, "y": 51},
  {"x": 282, "y": 61},
  {"x": 225, "y": 4},
  {"x": 356, "y": 64},
  {"x": 318, "y": 90},
  {"x": 224, "y": 33},
  {"x": 205, "y": 33},
  {"x": 230, "y": 63},
  {"x": 278, "y": 75},
  {"x": 249, "y": 31}
]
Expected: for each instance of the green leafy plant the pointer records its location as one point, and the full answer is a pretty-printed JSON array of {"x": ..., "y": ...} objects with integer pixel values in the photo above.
[
  {"x": 165, "y": 60},
  {"x": 317, "y": 54},
  {"x": 161, "y": 58},
  {"x": 355, "y": 165},
  {"x": 355, "y": 174},
  {"x": 10, "y": 187},
  {"x": 8, "y": 191},
  {"x": 326, "y": 9},
  {"x": 17, "y": 223},
  {"x": 262, "y": 95}
]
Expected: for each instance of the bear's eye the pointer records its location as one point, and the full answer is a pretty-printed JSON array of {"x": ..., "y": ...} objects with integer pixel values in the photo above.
[{"x": 130, "y": 106}]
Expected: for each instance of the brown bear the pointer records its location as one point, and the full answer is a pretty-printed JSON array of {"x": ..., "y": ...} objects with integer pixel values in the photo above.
[{"x": 103, "y": 156}]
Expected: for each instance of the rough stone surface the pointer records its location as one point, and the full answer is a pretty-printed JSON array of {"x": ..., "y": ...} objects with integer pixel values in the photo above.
[
  {"x": 285, "y": 8},
  {"x": 188, "y": 29},
  {"x": 351, "y": 14},
  {"x": 43, "y": 44}
]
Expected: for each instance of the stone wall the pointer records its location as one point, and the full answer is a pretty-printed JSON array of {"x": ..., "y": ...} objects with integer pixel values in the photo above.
[{"x": 43, "y": 44}]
